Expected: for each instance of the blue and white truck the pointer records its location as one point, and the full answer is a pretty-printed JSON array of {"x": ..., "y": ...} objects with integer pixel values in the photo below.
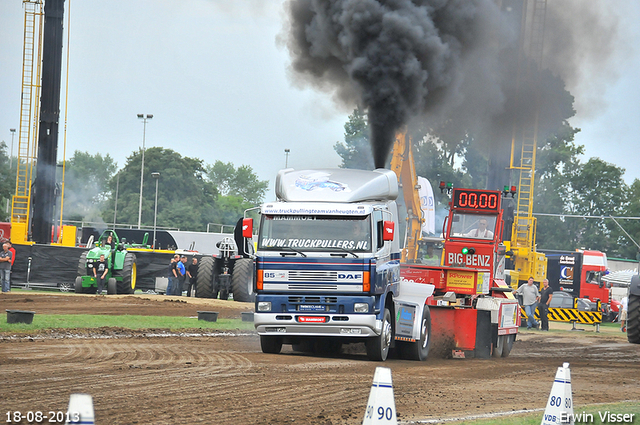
[{"x": 327, "y": 266}]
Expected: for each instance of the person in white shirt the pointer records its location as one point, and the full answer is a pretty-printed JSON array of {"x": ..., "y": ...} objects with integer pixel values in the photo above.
[{"x": 481, "y": 232}]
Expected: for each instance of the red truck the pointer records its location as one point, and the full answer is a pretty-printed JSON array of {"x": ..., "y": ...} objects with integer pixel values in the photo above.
[{"x": 580, "y": 273}]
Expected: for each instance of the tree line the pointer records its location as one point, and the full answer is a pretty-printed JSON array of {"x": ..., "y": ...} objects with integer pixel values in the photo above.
[{"x": 191, "y": 193}]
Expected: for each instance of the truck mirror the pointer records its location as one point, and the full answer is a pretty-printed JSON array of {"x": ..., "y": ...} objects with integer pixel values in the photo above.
[
  {"x": 247, "y": 227},
  {"x": 387, "y": 234}
]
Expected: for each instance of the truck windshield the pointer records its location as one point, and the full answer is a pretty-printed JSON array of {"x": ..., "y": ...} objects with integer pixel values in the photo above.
[
  {"x": 315, "y": 233},
  {"x": 472, "y": 226}
]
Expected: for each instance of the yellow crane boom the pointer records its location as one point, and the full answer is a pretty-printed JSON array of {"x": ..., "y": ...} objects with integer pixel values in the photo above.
[{"x": 403, "y": 165}]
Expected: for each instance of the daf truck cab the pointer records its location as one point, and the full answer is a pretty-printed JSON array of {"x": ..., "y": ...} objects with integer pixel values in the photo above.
[{"x": 328, "y": 262}]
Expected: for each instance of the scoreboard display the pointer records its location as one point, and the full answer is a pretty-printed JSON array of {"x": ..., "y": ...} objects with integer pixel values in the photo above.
[{"x": 476, "y": 199}]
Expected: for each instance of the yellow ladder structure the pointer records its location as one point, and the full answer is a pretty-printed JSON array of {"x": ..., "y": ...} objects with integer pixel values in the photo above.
[
  {"x": 528, "y": 262},
  {"x": 29, "y": 114}
]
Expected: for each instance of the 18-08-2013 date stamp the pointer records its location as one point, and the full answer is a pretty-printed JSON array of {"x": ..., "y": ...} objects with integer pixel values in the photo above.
[{"x": 40, "y": 417}]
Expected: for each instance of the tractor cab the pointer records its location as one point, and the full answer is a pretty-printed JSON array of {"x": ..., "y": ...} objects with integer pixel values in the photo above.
[{"x": 473, "y": 231}]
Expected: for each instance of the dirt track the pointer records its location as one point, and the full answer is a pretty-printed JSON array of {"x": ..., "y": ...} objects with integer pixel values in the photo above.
[{"x": 148, "y": 377}]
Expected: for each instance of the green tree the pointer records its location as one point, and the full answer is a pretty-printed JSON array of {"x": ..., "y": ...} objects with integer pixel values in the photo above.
[
  {"x": 86, "y": 185},
  {"x": 356, "y": 149},
  {"x": 627, "y": 248},
  {"x": 239, "y": 190},
  {"x": 7, "y": 183},
  {"x": 598, "y": 190},
  {"x": 186, "y": 199},
  {"x": 557, "y": 162},
  {"x": 241, "y": 182}
]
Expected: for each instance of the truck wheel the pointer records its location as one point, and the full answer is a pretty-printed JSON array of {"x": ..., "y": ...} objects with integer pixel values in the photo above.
[
  {"x": 112, "y": 286},
  {"x": 419, "y": 350},
  {"x": 633, "y": 319},
  {"x": 64, "y": 287},
  {"x": 270, "y": 344},
  {"x": 378, "y": 346},
  {"x": 508, "y": 345},
  {"x": 129, "y": 275},
  {"x": 82, "y": 264},
  {"x": 204, "y": 280},
  {"x": 242, "y": 281},
  {"x": 498, "y": 350},
  {"x": 78, "y": 285}
]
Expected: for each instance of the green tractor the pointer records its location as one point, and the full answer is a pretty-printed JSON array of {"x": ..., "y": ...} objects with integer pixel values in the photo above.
[{"x": 122, "y": 274}]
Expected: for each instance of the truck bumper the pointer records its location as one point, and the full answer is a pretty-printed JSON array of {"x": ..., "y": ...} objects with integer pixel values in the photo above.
[{"x": 343, "y": 325}]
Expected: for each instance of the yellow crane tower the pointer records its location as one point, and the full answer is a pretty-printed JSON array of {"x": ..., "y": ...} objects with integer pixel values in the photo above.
[
  {"x": 527, "y": 261},
  {"x": 29, "y": 114}
]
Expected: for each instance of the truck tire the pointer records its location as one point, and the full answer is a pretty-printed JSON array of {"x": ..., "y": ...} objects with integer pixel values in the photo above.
[
  {"x": 82, "y": 264},
  {"x": 419, "y": 350},
  {"x": 129, "y": 275},
  {"x": 378, "y": 346},
  {"x": 242, "y": 281},
  {"x": 508, "y": 345},
  {"x": 270, "y": 344},
  {"x": 112, "y": 286},
  {"x": 78, "y": 285},
  {"x": 204, "y": 280},
  {"x": 633, "y": 319},
  {"x": 501, "y": 342}
]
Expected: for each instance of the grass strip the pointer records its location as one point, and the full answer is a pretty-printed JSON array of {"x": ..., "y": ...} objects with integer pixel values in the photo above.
[
  {"x": 67, "y": 321},
  {"x": 590, "y": 414}
]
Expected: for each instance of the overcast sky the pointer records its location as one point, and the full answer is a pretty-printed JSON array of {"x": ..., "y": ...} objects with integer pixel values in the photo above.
[{"x": 215, "y": 79}]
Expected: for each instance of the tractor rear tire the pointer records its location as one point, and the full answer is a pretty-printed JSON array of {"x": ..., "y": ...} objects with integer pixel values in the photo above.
[
  {"x": 204, "y": 280},
  {"x": 82, "y": 264},
  {"x": 242, "y": 281},
  {"x": 378, "y": 346},
  {"x": 112, "y": 286},
  {"x": 419, "y": 350},
  {"x": 78, "y": 285},
  {"x": 633, "y": 319},
  {"x": 129, "y": 275},
  {"x": 270, "y": 344}
]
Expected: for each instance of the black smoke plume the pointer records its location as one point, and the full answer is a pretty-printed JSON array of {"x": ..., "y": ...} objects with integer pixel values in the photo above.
[
  {"x": 400, "y": 59},
  {"x": 432, "y": 61}
]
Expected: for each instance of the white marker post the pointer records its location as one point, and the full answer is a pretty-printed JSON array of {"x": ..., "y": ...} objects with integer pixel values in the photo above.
[
  {"x": 80, "y": 410},
  {"x": 381, "y": 407},
  {"x": 560, "y": 404}
]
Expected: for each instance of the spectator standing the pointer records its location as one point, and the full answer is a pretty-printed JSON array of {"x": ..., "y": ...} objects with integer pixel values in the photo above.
[
  {"x": 172, "y": 275},
  {"x": 182, "y": 272},
  {"x": 545, "y": 299},
  {"x": 100, "y": 269},
  {"x": 192, "y": 274},
  {"x": 530, "y": 297},
  {"x": 5, "y": 267},
  {"x": 623, "y": 313},
  {"x": 13, "y": 259}
]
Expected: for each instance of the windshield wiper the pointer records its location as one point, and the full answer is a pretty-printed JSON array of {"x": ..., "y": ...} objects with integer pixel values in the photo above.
[
  {"x": 292, "y": 249},
  {"x": 347, "y": 251}
]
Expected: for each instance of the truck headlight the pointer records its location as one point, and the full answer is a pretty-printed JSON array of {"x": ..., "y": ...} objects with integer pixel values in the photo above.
[
  {"x": 264, "y": 306},
  {"x": 361, "y": 307}
]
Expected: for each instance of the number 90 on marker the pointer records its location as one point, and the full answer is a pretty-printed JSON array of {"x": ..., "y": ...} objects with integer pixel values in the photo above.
[{"x": 379, "y": 414}]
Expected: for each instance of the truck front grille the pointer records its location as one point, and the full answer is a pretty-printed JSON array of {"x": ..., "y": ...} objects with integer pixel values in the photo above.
[{"x": 313, "y": 275}]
